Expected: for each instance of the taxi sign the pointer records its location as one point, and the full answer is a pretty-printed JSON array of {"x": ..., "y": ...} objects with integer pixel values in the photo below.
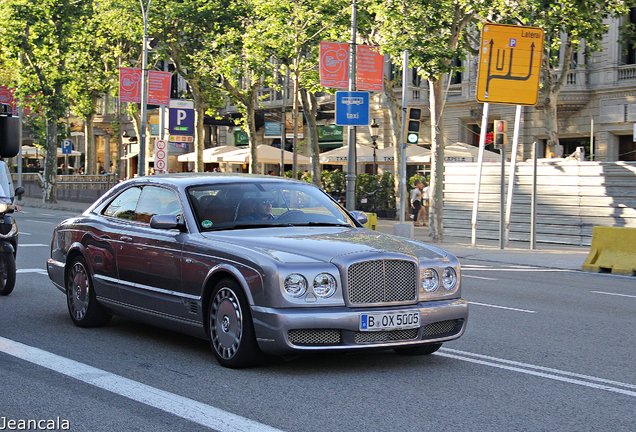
[{"x": 509, "y": 64}]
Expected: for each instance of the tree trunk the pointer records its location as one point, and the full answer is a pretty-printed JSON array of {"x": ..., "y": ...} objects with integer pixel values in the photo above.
[
  {"x": 396, "y": 136},
  {"x": 251, "y": 130},
  {"x": 310, "y": 108},
  {"x": 89, "y": 144},
  {"x": 436, "y": 186},
  {"x": 553, "y": 84},
  {"x": 49, "y": 192}
]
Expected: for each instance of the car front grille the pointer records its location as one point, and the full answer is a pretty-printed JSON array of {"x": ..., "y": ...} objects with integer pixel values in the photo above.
[
  {"x": 382, "y": 281},
  {"x": 308, "y": 337},
  {"x": 442, "y": 328},
  {"x": 384, "y": 336}
]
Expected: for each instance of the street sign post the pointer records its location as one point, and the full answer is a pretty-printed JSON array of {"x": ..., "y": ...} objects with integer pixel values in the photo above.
[
  {"x": 509, "y": 64},
  {"x": 352, "y": 108}
]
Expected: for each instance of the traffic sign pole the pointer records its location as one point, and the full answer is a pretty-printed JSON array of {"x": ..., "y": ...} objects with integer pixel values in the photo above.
[{"x": 350, "y": 178}]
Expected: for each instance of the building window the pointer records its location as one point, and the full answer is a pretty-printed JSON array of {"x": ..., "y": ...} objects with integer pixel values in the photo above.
[
  {"x": 626, "y": 148},
  {"x": 456, "y": 75},
  {"x": 628, "y": 38}
]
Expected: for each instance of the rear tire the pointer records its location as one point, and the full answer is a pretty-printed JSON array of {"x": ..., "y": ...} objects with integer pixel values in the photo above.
[
  {"x": 82, "y": 304},
  {"x": 231, "y": 327},
  {"x": 418, "y": 350},
  {"x": 7, "y": 273}
]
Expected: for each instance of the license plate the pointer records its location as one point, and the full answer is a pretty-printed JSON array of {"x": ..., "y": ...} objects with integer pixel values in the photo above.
[{"x": 389, "y": 321}]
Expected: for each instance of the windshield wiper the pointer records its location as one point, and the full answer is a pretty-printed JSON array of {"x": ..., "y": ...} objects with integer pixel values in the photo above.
[
  {"x": 325, "y": 224},
  {"x": 249, "y": 226}
]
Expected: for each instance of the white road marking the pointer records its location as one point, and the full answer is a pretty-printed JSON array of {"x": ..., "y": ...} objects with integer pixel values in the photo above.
[
  {"x": 188, "y": 409},
  {"x": 502, "y": 307},
  {"x": 614, "y": 294},
  {"x": 544, "y": 372},
  {"x": 21, "y": 245},
  {"x": 46, "y": 214},
  {"x": 478, "y": 277},
  {"x": 24, "y": 233},
  {"x": 39, "y": 221},
  {"x": 527, "y": 269},
  {"x": 32, "y": 270}
]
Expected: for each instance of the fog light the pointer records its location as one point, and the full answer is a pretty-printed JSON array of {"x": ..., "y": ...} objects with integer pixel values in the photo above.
[
  {"x": 449, "y": 278},
  {"x": 430, "y": 280},
  {"x": 324, "y": 285},
  {"x": 295, "y": 285}
]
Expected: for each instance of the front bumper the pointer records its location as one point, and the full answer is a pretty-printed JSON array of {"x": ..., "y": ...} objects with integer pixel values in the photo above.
[{"x": 280, "y": 331}]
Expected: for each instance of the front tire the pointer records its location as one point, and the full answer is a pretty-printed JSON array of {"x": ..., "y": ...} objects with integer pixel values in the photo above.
[
  {"x": 418, "y": 350},
  {"x": 82, "y": 304},
  {"x": 7, "y": 273},
  {"x": 231, "y": 327}
]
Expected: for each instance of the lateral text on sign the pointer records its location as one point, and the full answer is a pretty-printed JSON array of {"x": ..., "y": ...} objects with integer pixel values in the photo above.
[
  {"x": 509, "y": 64},
  {"x": 369, "y": 69},
  {"x": 159, "y": 87},
  {"x": 352, "y": 108}
]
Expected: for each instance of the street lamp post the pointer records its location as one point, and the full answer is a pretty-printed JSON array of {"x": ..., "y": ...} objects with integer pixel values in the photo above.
[
  {"x": 373, "y": 127},
  {"x": 141, "y": 169}
]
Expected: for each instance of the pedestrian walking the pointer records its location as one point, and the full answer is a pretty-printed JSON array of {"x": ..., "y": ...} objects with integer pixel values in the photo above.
[
  {"x": 416, "y": 201},
  {"x": 422, "y": 216}
]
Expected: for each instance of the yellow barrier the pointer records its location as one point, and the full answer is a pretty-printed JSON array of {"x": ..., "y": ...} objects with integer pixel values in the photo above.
[
  {"x": 613, "y": 251},
  {"x": 372, "y": 222}
]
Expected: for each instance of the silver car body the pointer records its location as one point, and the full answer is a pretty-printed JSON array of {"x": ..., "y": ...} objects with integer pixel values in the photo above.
[{"x": 165, "y": 276}]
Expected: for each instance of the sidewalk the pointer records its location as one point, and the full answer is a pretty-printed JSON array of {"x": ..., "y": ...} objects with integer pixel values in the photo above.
[{"x": 517, "y": 253}]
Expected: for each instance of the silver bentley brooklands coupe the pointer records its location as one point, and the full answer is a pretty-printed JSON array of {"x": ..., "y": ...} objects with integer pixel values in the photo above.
[{"x": 254, "y": 264}]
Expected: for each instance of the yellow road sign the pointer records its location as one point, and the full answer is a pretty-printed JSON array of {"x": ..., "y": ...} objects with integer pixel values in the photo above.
[{"x": 509, "y": 64}]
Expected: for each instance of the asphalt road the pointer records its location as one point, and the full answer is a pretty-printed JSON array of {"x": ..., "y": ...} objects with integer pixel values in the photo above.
[{"x": 545, "y": 350}]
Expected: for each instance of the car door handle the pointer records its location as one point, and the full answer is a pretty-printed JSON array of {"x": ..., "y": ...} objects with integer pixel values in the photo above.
[{"x": 125, "y": 238}]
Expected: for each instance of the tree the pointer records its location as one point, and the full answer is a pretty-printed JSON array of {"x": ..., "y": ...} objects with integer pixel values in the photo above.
[
  {"x": 184, "y": 31},
  {"x": 106, "y": 36},
  {"x": 290, "y": 32},
  {"x": 569, "y": 25},
  {"x": 434, "y": 34},
  {"x": 37, "y": 37}
]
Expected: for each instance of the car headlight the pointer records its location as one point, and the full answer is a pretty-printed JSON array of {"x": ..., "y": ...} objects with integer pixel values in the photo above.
[
  {"x": 4, "y": 207},
  {"x": 449, "y": 278},
  {"x": 295, "y": 285},
  {"x": 325, "y": 285},
  {"x": 430, "y": 280}
]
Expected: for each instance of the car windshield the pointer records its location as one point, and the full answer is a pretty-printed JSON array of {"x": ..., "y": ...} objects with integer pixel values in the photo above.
[{"x": 268, "y": 204}]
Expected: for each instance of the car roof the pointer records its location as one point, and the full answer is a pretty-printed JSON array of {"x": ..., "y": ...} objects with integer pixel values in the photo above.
[{"x": 193, "y": 179}]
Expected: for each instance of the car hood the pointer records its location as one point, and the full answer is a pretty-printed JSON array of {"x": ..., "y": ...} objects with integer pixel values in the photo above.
[{"x": 302, "y": 244}]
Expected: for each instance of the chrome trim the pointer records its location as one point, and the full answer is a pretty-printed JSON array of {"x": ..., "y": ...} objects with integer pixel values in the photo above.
[
  {"x": 149, "y": 311},
  {"x": 56, "y": 263},
  {"x": 147, "y": 287},
  {"x": 12, "y": 232}
]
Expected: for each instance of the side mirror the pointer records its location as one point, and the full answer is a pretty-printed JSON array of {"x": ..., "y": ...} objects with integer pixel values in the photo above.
[
  {"x": 19, "y": 191},
  {"x": 166, "y": 222},
  {"x": 360, "y": 216}
]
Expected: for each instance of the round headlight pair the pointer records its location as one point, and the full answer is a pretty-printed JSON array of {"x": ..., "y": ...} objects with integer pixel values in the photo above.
[
  {"x": 324, "y": 285},
  {"x": 430, "y": 279}
]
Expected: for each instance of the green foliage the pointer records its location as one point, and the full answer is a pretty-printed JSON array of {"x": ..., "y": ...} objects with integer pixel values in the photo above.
[
  {"x": 333, "y": 182},
  {"x": 415, "y": 178}
]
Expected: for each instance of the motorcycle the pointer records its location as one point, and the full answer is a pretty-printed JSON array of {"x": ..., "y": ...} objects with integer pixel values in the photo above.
[{"x": 8, "y": 232}]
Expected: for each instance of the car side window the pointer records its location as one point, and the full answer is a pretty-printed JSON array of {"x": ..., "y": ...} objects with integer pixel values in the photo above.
[
  {"x": 156, "y": 200},
  {"x": 123, "y": 206}
]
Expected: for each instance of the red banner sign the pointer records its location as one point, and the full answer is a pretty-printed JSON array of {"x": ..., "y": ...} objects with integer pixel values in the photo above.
[
  {"x": 130, "y": 85},
  {"x": 334, "y": 66},
  {"x": 6, "y": 97},
  {"x": 159, "y": 87},
  {"x": 369, "y": 68}
]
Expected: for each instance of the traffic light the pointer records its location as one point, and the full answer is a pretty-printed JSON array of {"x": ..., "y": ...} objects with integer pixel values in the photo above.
[
  {"x": 413, "y": 125},
  {"x": 501, "y": 133}
]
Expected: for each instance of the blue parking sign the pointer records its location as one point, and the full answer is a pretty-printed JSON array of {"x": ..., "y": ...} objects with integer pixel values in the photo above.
[
  {"x": 181, "y": 121},
  {"x": 352, "y": 108}
]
